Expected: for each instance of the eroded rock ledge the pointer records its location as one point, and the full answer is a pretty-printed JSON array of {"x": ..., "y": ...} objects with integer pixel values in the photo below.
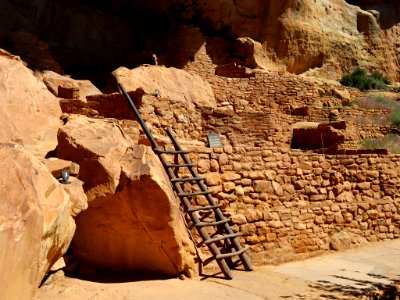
[{"x": 133, "y": 223}]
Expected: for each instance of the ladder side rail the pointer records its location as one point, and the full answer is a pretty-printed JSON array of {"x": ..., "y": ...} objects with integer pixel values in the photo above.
[
  {"x": 245, "y": 259},
  {"x": 204, "y": 234},
  {"x": 139, "y": 118},
  {"x": 203, "y": 187}
]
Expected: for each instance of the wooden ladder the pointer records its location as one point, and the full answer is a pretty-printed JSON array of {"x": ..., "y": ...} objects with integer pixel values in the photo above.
[{"x": 213, "y": 227}]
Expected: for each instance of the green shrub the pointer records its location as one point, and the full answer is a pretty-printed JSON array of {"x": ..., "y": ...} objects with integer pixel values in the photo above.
[
  {"x": 363, "y": 81},
  {"x": 379, "y": 76}
]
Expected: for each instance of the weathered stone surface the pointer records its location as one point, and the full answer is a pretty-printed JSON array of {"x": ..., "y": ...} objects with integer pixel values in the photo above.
[
  {"x": 56, "y": 165},
  {"x": 263, "y": 186},
  {"x": 345, "y": 240},
  {"x": 95, "y": 145},
  {"x": 253, "y": 215},
  {"x": 29, "y": 113},
  {"x": 238, "y": 219},
  {"x": 139, "y": 228},
  {"x": 77, "y": 196},
  {"x": 79, "y": 89},
  {"x": 324, "y": 135},
  {"x": 250, "y": 53},
  {"x": 277, "y": 188},
  {"x": 345, "y": 197},
  {"x": 36, "y": 227},
  {"x": 270, "y": 174},
  {"x": 133, "y": 219},
  {"x": 228, "y": 186},
  {"x": 343, "y": 95},
  {"x": 333, "y": 32},
  {"x": 322, "y": 39},
  {"x": 203, "y": 165},
  {"x": 230, "y": 176},
  {"x": 213, "y": 178},
  {"x": 172, "y": 83}
]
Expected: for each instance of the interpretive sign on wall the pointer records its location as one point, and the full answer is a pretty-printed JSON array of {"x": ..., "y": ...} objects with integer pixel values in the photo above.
[{"x": 214, "y": 140}]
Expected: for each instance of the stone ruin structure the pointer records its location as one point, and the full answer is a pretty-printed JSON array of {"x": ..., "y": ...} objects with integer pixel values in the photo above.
[
  {"x": 290, "y": 173},
  {"x": 288, "y": 201}
]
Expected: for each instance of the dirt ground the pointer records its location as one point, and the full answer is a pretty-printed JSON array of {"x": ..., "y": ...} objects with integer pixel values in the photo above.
[{"x": 363, "y": 273}]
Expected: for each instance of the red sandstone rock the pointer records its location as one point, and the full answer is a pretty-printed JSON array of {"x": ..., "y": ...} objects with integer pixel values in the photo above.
[
  {"x": 29, "y": 113},
  {"x": 77, "y": 196},
  {"x": 309, "y": 35},
  {"x": 345, "y": 240},
  {"x": 213, "y": 178},
  {"x": 250, "y": 53},
  {"x": 56, "y": 165},
  {"x": 66, "y": 87},
  {"x": 174, "y": 84},
  {"x": 95, "y": 145},
  {"x": 36, "y": 227},
  {"x": 133, "y": 220},
  {"x": 332, "y": 135},
  {"x": 139, "y": 228}
]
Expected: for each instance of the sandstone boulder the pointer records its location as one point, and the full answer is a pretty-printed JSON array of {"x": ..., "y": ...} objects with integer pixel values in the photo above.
[
  {"x": 77, "y": 196},
  {"x": 250, "y": 53},
  {"x": 345, "y": 240},
  {"x": 35, "y": 225},
  {"x": 172, "y": 83},
  {"x": 66, "y": 87},
  {"x": 343, "y": 95},
  {"x": 29, "y": 113},
  {"x": 139, "y": 228},
  {"x": 96, "y": 145},
  {"x": 74, "y": 188},
  {"x": 133, "y": 223},
  {"x": 56, "y": 165}
]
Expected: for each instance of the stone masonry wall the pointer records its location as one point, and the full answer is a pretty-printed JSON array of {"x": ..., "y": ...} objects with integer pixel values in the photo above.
[
  {"x": 293, "y": 204},
  {"x": 288, "y": 204}
]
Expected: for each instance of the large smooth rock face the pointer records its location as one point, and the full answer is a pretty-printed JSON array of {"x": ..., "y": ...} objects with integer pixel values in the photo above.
[
  {"x": 298, "y": 36},
  {"x": 29, "y": 113},
  {"x": 133, "y": 222},
  {"x": 331, "y": 36},
  {"x": 172, "y": 83},
  {"x": 96, "y": 145},
  {"x": 139, "y": 228},
  {"x": 35, "y": 224}
]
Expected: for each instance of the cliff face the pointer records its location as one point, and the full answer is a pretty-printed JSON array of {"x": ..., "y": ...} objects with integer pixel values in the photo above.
[
  {"x": 299, "y": 35},
  {"x": 321, "y": 37}
]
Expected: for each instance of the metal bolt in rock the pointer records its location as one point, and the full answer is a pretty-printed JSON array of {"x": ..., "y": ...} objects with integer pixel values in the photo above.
[
  {"x": 65, "y": 177},
  {"x": 157, "y": 93}
]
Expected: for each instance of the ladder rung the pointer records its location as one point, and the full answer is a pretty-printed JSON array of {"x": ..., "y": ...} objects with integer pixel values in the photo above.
[
  {"x": 179, "y": 165},
  {"x": 204, "y": 208},
  {"x": 186, "y": 179},
  {"x": 158, "y": 150},
  {"x": 222, "y": 237},
  {"x": 202, "y": 224},
  {"x": 230, "y": 254},
  {"x": 194, "y": 193}
]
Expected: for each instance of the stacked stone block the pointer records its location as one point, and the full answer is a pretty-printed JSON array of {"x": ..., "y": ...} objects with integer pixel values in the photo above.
[{"x": 291, "y": 204}]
